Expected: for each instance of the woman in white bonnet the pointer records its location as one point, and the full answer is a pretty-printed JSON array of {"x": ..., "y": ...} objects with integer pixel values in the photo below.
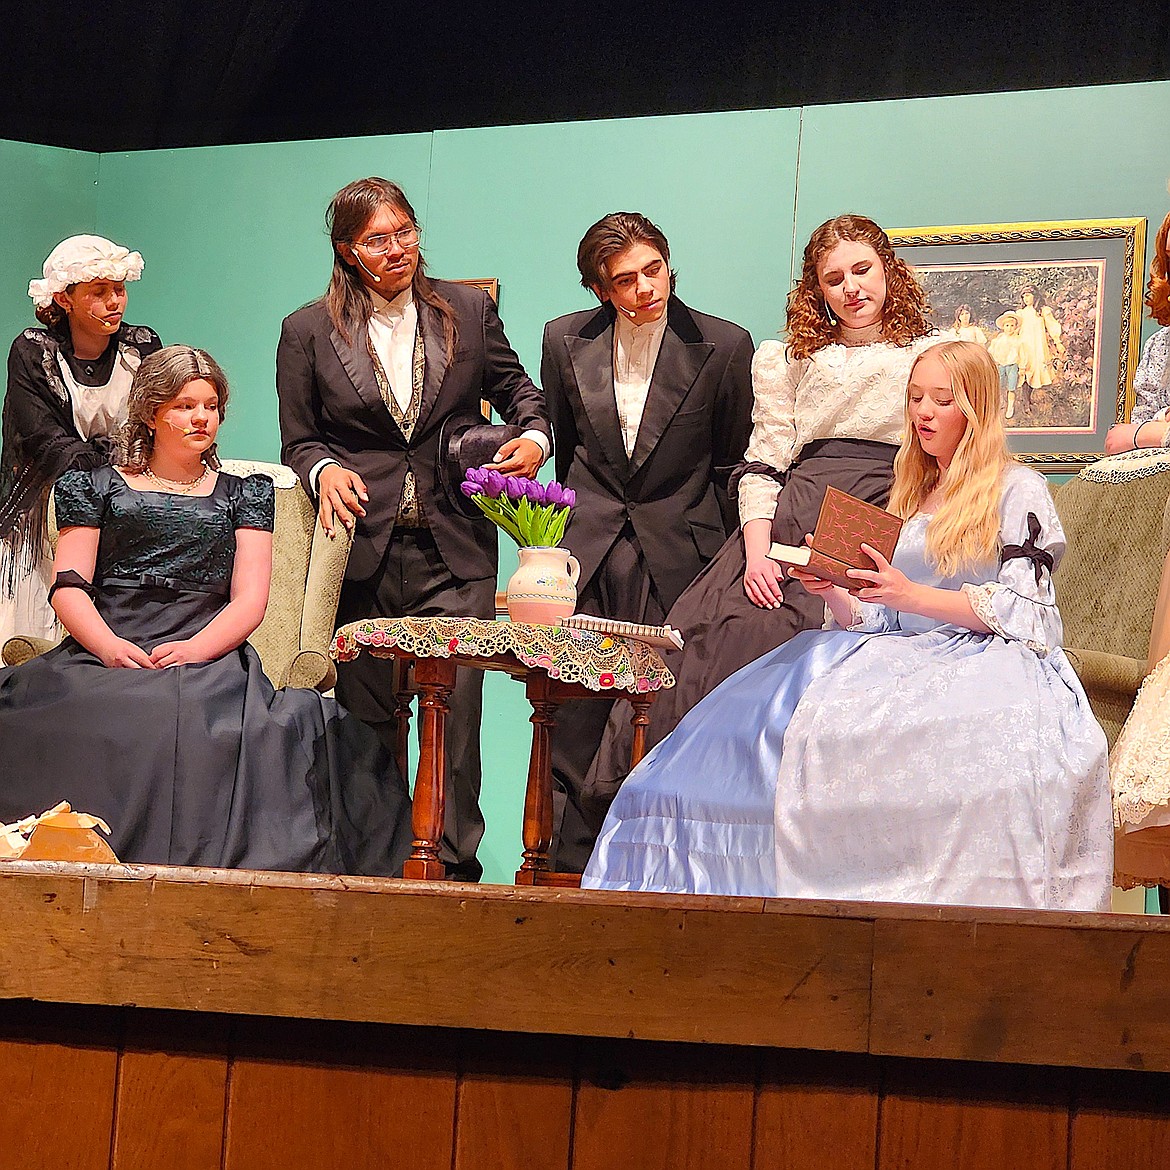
[{"x": 67, "y": 389}]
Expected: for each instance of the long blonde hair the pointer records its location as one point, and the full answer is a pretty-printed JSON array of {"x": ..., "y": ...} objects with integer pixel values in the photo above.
[{"x": 964, "y": 531}]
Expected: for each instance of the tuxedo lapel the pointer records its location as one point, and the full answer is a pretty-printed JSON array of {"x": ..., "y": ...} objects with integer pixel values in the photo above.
[
  {"x": 591, "y": 356},
  {"x": 682, "y": 357},
  {"x": 435, "y": 355},
  {"x": 355, "y": 357}
]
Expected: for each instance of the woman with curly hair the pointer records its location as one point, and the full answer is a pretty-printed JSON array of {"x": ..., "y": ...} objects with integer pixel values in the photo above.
[
  {"x": 67, "y": 389},
  {"x": 828, "y": 411},
  {"x": 934, "y": 745},
  {"x": 1151, "y": 383}
]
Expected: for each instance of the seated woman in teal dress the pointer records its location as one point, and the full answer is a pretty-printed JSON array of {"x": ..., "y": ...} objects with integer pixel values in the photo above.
[
  {"x": 155, "y": 713},
  {"x": 935, "y": 746}
]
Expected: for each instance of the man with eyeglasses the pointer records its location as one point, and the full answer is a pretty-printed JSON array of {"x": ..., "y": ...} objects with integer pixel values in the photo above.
[
  {"x": 367, "y": 377},
  {"x": 651, "y": 407}
]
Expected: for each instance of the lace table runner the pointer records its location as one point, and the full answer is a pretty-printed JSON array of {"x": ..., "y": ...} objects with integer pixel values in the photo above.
[{"x": 600, "y": 662}]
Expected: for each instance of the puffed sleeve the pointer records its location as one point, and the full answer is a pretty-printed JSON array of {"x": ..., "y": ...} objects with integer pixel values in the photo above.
[
  {"x": 256, "y": 503},
  {"x": 79, "y": 501},
  {"x": 1020, "y": 603},
  {"x": 1151, "y": 382},
  {"x": 775, "y": 377}
]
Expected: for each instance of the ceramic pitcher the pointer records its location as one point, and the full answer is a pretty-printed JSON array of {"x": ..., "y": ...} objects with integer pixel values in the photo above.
[{"x": 544, "y": 587}]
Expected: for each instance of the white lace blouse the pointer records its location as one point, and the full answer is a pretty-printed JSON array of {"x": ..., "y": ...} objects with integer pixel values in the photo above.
[{"x": 841, "y": 392}]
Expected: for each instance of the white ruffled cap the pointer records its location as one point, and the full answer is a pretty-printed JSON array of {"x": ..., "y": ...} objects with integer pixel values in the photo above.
[{"x": 82, "y": 258}]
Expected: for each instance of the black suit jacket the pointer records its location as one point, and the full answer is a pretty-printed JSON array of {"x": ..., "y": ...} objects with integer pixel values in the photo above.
[
  {"x": 330, "y": 408},
  {"x": 695, "y": 428}
]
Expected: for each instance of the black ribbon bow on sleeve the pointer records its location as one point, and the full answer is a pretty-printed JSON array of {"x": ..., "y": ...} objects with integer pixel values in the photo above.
[{"x": 1029, "y": 550}]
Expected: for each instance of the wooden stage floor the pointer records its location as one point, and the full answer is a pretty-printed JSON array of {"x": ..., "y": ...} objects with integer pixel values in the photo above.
[{"x": 165, "y": 1018}]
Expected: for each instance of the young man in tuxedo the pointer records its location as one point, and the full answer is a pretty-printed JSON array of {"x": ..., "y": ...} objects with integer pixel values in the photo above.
[
  {"x": 651, "y": 407},
  {"x": 367, "y": 376}
]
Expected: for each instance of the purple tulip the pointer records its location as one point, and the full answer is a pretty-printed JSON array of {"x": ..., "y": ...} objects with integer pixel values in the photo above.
[
  {"x": 494, "y": 484},
  {"x": 534, "y": 492},
  {"x": 476, "y": 475},
  {"x": 554, "y": 494},
  {"x": 570, "y": 498},
  {"x": 469, "y": 488},
  {"x": 516, "y": 487}
]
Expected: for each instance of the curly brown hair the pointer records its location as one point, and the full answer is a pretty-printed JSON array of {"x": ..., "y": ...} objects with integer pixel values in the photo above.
[
  {"x": 1158, "y": 288},
  {"x": 904, "y": 315},
  {"x": 159, "y": 380}
]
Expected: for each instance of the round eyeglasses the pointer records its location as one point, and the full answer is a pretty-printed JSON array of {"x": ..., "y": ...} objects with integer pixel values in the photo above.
[{"x": 405, "y": 238}]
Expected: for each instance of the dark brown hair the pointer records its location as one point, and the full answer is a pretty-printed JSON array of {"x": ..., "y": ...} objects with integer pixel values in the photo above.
[
  {"x": 904, "y": 315},
  {"x": 347, "y": 300},
  {"x": 159, "y": 379},
  {"x": 611, "y": 235}
]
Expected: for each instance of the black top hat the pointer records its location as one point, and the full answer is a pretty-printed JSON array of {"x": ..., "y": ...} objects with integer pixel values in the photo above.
[{"x": 465, "y": 443}]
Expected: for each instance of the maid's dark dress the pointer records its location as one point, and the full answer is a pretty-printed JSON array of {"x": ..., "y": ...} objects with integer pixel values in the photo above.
[{"x": 203, "y": 764}]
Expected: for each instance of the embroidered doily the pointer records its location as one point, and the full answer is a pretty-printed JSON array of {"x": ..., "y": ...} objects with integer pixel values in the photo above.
[
  {"x": 601, "y": 662},
  {"x": 1128, "y": 465}
]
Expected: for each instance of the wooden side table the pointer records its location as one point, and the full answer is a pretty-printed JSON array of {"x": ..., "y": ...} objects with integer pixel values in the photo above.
[{"x": 408, "y": 640}]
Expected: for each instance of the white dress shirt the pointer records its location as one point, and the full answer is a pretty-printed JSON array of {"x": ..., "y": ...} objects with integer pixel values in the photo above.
[
  {"x": 635, "y": 352},
  {"x": 392, "y": 327}
]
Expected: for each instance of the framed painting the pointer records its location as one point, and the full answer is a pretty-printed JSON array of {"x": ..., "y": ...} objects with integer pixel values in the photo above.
[
  {"x": 491, "y": 286},
  {"x": 1058, "y": 306}
]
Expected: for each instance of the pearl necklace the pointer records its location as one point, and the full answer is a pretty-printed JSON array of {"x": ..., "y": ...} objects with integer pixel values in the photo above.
[{"x": 184, "y": 487}]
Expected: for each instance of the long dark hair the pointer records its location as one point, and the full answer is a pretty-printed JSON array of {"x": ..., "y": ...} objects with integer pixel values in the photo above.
[{"x": 347, "y": 300}]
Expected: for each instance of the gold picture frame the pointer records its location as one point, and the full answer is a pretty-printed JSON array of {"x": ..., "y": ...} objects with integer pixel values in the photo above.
[{"x": 1074, "y": 288}]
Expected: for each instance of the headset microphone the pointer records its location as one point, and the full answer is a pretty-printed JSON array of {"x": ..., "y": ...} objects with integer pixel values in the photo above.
[{"x": 375, "y": 279}]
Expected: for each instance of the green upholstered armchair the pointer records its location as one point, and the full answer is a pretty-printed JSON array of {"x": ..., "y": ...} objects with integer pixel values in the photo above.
[
  {"x": 307, "y": 569},
  {"x": 1107, "y": 584}
]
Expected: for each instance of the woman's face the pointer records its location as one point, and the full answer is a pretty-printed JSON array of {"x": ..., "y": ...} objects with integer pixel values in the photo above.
[
  {"x": 964, "y": 316},
  {"x": 94, "y": 307},
  {"x": 934, "y": 414},
  {"x": 189, "y": 422},
  {"x": 852, "y": 280},
  {"x": 1029, "y": 300}
]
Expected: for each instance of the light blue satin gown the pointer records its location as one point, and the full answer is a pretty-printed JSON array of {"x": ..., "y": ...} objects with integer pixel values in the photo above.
[{"x": 904, "y": 761}]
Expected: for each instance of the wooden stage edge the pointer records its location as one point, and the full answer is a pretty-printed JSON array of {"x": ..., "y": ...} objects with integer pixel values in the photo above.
[{"x": 1086, "y": 991}]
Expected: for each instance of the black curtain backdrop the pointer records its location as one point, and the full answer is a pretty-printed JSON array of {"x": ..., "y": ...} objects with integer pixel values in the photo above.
[{"x": 139, "y": 75}]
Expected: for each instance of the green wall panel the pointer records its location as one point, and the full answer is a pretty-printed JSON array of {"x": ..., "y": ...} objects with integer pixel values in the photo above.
[
  {"x": 989, "y": 158},
  {"x": 47, "y": 194},
  {"x": 234, "y": 240}
]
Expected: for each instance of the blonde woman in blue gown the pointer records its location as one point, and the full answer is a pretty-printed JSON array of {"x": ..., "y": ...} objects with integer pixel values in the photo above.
[{"x": 934, "y": 746}]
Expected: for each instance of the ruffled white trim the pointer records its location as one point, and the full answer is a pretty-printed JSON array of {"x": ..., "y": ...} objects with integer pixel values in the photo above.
[
  {"x": 980, "y": 598},
  {"x": 1128, "y": 465},
  {"x": 80, "y": 259}
]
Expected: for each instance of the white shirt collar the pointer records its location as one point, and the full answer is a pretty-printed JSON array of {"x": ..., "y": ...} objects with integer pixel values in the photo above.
[
  {"x": 648, "y": 329},
  {"x": 395, "y": 307}
]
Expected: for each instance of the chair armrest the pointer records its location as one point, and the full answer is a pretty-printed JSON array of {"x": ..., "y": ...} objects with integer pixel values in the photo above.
[
  {"x": 1110, "y": 673},
  {"x": 23, "y": 647},
  {"x": 313, "y": 670},
  {"x": 328, "y": 558}
]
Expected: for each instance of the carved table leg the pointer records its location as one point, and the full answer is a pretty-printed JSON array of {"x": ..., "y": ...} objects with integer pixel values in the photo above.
[
  {"x": 538, "y": 793},
  {"x": 403, "y": 694},
  {"x": 640, "y": 720},
  {"x": 435, "y": 679}
]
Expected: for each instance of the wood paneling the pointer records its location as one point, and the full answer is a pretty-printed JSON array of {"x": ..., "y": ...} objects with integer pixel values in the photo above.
[
  {"x": 305, "y": 1095},
  {"x": 172, "y": 1080},
  {"x": 58, "y": 1069},
  {"x": 978, "y": 1117},
  {"x": 1122, "y": 1121},
  {"x": 816, "y": 1109},
  {"x": 1034, "y": 989},
  {"x": 515, "y": 1106},
  {"x": 663, "y": 1107}
]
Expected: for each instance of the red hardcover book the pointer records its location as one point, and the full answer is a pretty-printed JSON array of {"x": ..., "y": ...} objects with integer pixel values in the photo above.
[{"x": 845, "y": 523}]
